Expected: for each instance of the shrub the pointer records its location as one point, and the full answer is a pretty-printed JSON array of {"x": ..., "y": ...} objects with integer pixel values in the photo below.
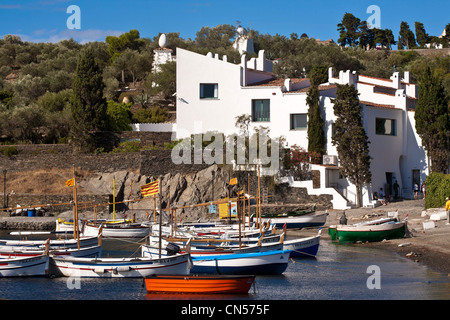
[
  {"x": 10, "y": 151},
  {"x": 127, "y": 146},
  {"x": 438, "y": 188}
]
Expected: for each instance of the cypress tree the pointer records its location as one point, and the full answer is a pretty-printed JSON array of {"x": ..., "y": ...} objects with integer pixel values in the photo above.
[
  {"x": 350, "y": 139},
  {"x": 87, "y": 103},
  {"x": 432, "y": 120},
  {"x": 316, "y": 135}
]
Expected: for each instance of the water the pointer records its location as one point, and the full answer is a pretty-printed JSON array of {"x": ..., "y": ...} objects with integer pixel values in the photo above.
[{"x": 339, "y": 272}]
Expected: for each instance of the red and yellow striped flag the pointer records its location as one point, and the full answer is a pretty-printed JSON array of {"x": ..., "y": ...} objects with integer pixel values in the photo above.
[
  {"x": 150, "y": 189},
  {"x": 70, "y": 182}
]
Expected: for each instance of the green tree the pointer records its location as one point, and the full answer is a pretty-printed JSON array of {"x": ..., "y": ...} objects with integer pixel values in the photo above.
[
  {"x": 421, "y": 36},
  {"x": 216, "y": 37},
  {"x": 163, "y": 81},
  {"x": 316, "y": 135},
  {"x": 350, "y": 139},
  {"x": 87, "y": 103},
  {"x": 119, "y": 116},
  {"x": 349, "y": 29},
  {"x": 432, "y": 120},
  {"x": 128, "y": 40},
  {"x": 406, "y": 38}
]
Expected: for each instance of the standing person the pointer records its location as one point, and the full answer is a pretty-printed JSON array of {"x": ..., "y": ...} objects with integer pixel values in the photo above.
[
  {"x": 416, "y": 191},
  {"x": 447, "y": 210},
  {"x": 396, "y": 187},
  {"x": 424, "y": 189}
]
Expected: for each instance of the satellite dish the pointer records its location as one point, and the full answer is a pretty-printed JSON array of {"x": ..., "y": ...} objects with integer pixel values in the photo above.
[
  {"x": 240, "y": 30},
  {"x": 163, "y": 41}
]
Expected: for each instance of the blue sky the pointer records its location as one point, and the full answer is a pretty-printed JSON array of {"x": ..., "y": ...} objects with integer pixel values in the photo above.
[{"x": 45, "y": 20}]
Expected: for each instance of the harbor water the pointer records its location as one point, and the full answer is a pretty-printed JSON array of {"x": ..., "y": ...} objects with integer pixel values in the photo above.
[{"x": 338, "y": 272}]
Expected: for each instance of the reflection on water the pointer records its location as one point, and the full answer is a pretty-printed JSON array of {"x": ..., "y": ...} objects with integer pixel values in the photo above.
[{"x": 339, "y": 272}]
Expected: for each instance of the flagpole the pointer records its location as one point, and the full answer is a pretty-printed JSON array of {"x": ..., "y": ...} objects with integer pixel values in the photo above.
[{"x": 114, "y": 198}]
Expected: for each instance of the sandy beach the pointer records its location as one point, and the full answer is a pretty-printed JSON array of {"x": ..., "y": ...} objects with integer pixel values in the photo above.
[{"x": 430, "y": 247}]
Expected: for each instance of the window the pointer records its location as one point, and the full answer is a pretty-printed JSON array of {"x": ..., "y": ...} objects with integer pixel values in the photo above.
[
  {"x": 209, "y": 91},
  {"x": 299, "y": 121},
  {"x": 385, "y": 127},
  {"x": 261, "y": 110}
]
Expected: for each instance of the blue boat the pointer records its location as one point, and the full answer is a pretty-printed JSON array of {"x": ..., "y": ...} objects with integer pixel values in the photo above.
[
  {"x": 258, "y": 263},
  {"x": 303, "y": 247}
]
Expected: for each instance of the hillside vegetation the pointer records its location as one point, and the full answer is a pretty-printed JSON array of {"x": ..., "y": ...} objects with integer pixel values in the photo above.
[{"x": 36, "y": 79}]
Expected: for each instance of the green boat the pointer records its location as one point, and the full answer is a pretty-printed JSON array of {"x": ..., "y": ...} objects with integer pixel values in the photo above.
[{"x": 376, "y": 230}]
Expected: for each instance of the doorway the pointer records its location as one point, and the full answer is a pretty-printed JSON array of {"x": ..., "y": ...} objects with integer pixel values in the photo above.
[{"x": 388, "y": 186}]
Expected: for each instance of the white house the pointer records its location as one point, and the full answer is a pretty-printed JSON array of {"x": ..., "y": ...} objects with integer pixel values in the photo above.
[{"x": 212, "y": 92}]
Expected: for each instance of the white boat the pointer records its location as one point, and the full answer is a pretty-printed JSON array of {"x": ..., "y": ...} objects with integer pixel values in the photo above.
[
  {"x": 152, "y": 249},
  {"x": 20, "y": 252},
  {"x": 257, "y": 263},
  {"x": 303, "y": 247},
  {"x": 298, "y": 222},
  {"x": 54, "y": 243},
  {"x": 124, "y": 230},
  {"x": 119, "y": 267},
  {"x": 24, "y": 266}
]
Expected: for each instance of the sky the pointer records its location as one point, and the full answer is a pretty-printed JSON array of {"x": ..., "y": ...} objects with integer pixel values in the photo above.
[{"x": 46, "y": 20}]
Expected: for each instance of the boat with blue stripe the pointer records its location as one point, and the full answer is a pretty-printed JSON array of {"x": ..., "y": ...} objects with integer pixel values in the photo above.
[{"x": 258, "y": 263}]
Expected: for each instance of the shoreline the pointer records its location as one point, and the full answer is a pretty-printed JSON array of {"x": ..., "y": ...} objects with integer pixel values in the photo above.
[{"x": 430, "y": 247}]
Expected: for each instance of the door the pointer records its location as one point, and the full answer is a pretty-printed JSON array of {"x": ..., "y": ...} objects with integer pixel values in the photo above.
[
  {"x": 415, "y": 178},
  {"x": 388, "y": 186}
]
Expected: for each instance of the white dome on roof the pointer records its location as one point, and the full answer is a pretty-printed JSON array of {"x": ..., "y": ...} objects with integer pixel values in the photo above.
[{"x": 163, "y": 41}]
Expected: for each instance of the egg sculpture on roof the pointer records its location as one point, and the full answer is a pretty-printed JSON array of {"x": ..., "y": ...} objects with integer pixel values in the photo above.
[{"x": 163, "y": 41}]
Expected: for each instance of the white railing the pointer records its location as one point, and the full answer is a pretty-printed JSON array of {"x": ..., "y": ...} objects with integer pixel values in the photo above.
[{"x": 154, "y": 127}]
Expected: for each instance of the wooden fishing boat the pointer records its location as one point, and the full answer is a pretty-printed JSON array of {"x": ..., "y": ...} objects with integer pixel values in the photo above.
[
  {"x": 119, "y": 267},
  {"x": 54, "y": 243},
  {"x": 299, "y": 222},
  {"x": 152, "y": 249},
  {"x": 290, "y": 213},
  {"x": 24, "y": 266},
  {"x": 270, "y": 262},
  {"x": 303, "y": 247},
  {"x": 376, "y": 230},
  {"x": 202, "y": 284},
  {"x": 123, "y": 230},
  {"x": 20, "y": 252}
]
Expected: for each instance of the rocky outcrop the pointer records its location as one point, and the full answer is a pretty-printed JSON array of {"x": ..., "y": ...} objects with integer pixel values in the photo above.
[{"x": 186, "y": 189}]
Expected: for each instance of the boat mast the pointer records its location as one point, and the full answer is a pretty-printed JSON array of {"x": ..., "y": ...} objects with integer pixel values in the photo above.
[
  {"x": 160, "y": 215},
  {"x": 76, "y": 229}
]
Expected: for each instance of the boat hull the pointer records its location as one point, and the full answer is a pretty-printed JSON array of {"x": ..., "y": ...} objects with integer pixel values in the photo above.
[
  {"x": 271, "y": 262},
  {"x": 119, "y": 267},
  {"x": 84, "y": 252},
  {"x": 369, "y": 233},
  {"x": 117, "y": 231},
  {"x": 24, "y": 266},
  {"x": 54, "y": 244},
  {"x": 299, "y": 222},
  {"x": 305, "y": 247},
  {"x": 153, "y": 250},
  {"x": 203, "y": 284}
]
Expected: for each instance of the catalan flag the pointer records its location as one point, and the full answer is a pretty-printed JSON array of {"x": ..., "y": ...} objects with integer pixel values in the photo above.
[
  {"x": 150, "y": 189},
  {"x": 233, "y": 181},
  {"x": 70, "y": 182}
]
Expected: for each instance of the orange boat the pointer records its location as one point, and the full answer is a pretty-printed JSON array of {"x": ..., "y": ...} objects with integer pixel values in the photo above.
[{"x": 199, "y": 283}]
